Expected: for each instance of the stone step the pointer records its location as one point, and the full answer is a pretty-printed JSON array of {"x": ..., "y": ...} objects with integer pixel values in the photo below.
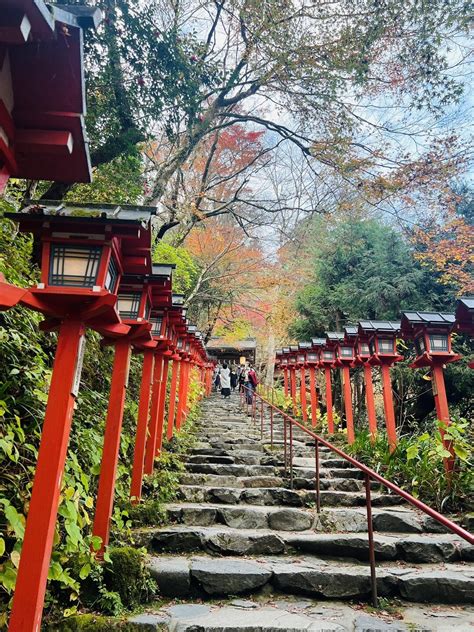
[
  {"x": 399, "y": 519},
  {"x": 205, "y": 577},
  {"x": 282, "y": 496},
  {"x": 270, "y": 470},
  {"x": 251, "y": 457},
  {"x": 223, "y": 540},
  {"x": 217, "y": 480},
  {"x": 298, "y": 614}
]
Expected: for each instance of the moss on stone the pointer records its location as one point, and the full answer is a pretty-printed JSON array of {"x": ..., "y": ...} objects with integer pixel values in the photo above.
[{"x": 127, "y": 574}]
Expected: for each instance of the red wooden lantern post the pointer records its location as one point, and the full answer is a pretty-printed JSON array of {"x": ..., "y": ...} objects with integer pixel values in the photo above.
[
  {"x": 161, "y": 287},
  {"x": 82, "y": 260},
  {"x": 432, "y": 335},
  {"x": 277, "y": 363},
  {"x": 177, "y": 315},
  {"x": 167, "y": 355},
  {"x": 312, "y": 358},
  {"x": 327, "y": 358},
  {"x": 362, "y": 359},
  {"x": 344, "y": 359},
  {"x": 301, "y": 359},
  {"x": 383, "y": 353},
  {"x": 285, "y": 369},
  {"x": 292, "y": 375}
]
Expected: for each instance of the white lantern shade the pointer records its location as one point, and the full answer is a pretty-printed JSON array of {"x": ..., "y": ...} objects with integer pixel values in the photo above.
[{"x": 74, "y": 266}]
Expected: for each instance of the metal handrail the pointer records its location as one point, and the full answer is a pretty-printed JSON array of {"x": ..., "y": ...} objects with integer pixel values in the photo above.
[{"x": 368, "y": 475}]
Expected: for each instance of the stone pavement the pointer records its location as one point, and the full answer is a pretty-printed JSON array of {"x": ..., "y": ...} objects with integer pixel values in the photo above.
[{"x": 240, "y": 530}]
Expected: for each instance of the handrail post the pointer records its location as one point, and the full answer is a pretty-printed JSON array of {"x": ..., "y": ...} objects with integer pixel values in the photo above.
[
  {"x": 317, "y": 481},
  {"x": 291, "y": 454},
  {"x": 285, "y": 460},
  {"x": 370, "y": 532}
]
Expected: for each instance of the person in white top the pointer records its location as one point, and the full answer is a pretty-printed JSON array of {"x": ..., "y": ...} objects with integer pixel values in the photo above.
[{"x": 225, "y": 381}]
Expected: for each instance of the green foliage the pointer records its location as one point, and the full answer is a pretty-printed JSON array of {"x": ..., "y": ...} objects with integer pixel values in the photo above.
[
  {"x": 118, "y": 181},
  {"x": 418, "y": 464},
  {"x": 186, "y": 270},
  {"x": 361, "y": 269},
  {"x": 127, "y": 575}
]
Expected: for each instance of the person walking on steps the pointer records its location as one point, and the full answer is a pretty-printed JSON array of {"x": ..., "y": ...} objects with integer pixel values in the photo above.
[
  {"x": 233, "y": 378},
  {"x": 225, "y": 381},
  {"x": 251, "y": 382}
]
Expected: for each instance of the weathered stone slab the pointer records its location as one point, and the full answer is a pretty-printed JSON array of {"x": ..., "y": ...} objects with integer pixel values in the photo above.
[
  {"x": 229, "y": 577},
  {"x": 242, "y": 517},
  {"x": 290, "y": 520},
  {"x": 172, "y": 574},
  {"x": 437, "y": 586}
]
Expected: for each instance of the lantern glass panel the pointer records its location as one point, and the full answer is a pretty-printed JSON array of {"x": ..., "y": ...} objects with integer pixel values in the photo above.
[
  {"x": 112, "y": 276},
  {"x": 312, "y": 357},
  {"x": 147, "y": 310},
  {"x": 301, "y": 358},
  {"x": 188, "y": 346},
  {"x": 386, "y": 345},
  {"x": 328, "y": 355},
  {"x": 372, "y": 347},
  {"x": 74, "y": 266},
  {"x": 292, "y": 360},
  {"x": 439, "y": 342},
  {"x": 346, "y": 352},
  {"x": 420, "y": 345},
  {"x": 128, "y": 304},
  {"x": 364, "y": 349},
  {"x": 156, "y": 325},
  {"x": 284, "y": 361},
  {"x": 179, "y": 344}
]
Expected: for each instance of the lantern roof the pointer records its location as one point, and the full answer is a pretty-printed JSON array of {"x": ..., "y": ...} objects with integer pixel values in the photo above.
[
  {"x": 378, "y": 327},
  {"x": 293, "y": 348},
  {"x": 318, "y": 342},
  {"x": 84, "y": 212},
  {"x": 278, "y": 352},
  {"x": 412, "y": 320},
  {"x": 286, "y": 349},
  {"x": 350, "y": 331},
  {"x": 465, "y": 313},
  {"x": 43, "y": 91},
  {"x": 334, "y": 337},
  {"x": 304, "y": 345}
]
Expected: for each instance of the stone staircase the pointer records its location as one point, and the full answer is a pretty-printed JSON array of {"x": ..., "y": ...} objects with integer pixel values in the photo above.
[{"x": 240, "y": 530}]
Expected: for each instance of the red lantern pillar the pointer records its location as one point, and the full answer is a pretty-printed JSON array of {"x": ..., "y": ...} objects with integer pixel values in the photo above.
[
  {"x": 142, "y": 426},
  {"x": 388, "y": 406},
  {"x": 181, "y": 393},
  {"x": 110, "y": 452},
  {"x": 329, "y": 411},
  {"x": 172, "y": 399},
  {"x": 370, "y": 402},
  {"x": 346, "y": 378},
  {"x": 150, "y": 450},
  {"x": 162, "y": 403},
  {"x": 293, "y": 388},
  {"x": 442, "y": 409},
  {"x": 314, "y": 396},
  {"x": 285, "y": 381},
  {"x": 304, "y": 412},
  {"x": 40, "y": 526}
]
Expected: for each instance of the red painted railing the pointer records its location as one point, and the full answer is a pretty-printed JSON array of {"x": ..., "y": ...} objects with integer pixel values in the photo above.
[{"x": 249, "y": 398}]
